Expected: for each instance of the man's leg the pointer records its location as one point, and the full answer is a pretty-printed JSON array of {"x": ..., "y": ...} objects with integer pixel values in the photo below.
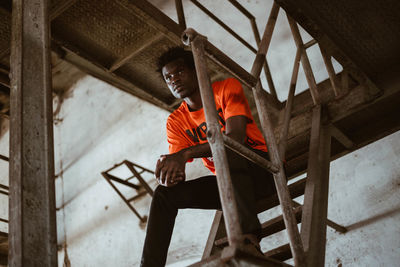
[
  {"x": 251, "y": 183},
  {"x": 200, "y": 193}
]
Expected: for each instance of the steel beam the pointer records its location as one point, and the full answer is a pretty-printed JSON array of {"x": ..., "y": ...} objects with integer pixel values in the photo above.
[
  {"x": 289, "y": 105},
  {"x": 32, "y": 210},
  {"x": 342, "y": 138},
  {"x": 217, "y": 231},
  {"x": 215, "y": 138},
  {"x": 123, "y": 60},
  {"x": 305, "y": 62},
  {"x": 280, "y": 179},
  {"x": 331, "y": 71},
  {"x": 180, "y": 13},
  {"x": 4, "y": 80},
  {"x": 268, "y": 132},
  {"x": 265, "y": 41},
  {"x": 249, "y": 154},
  {"x": 315, "y": 208},
  {"x": 223, "y": 25}
]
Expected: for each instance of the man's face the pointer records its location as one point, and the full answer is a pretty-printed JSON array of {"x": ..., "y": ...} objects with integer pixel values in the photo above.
[{"x": 181, "y": 80}]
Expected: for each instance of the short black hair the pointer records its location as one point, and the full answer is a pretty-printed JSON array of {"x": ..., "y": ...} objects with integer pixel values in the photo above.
[{"x": 173, "y": 54}]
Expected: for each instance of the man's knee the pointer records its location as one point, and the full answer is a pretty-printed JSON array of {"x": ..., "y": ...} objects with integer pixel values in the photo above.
[
  {"x": 161, "y": 192},
  {"x": 236, "y": 162},
  {"x": 163, "y": 199}
]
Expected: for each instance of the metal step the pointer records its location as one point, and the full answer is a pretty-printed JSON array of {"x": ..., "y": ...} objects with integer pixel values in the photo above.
[
  {"x": 231, "y": 256},
  {"x": 281, "y": 253},
  {"x": 267, "y": 228}
]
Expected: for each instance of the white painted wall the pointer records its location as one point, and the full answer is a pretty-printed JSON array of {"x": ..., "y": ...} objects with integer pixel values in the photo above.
[
  {"x": 99, "y": 126},
  {"x": 101, "y": 230},
  {"x": 98, "y": 227}
]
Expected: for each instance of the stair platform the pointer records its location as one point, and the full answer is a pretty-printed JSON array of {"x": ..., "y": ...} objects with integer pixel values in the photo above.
[{"x": 234, "y": 256}]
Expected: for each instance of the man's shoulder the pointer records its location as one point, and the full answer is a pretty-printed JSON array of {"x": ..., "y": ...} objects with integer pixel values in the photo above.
[
  {"x": 225, "y": 84},
  {"x": 177, "y": 113}
]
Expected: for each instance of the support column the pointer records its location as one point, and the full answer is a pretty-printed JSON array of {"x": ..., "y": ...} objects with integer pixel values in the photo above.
[
  {"x": 315, "y": 208},
  {"x": 32, "y": 228},
  {"x": 215, "y": 139}
]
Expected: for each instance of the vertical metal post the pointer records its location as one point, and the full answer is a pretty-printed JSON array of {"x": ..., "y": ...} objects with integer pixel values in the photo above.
[
  {"x": 289, "y": 105},
  {"x": 215, "y": 138},
  {"x": 280, "y": 179},
  {"x": 180, "y": 13},
  {"x": 305, "y": 62},
  {"x": 267, "y": 70},
  {"x": 266, "y": 125},
  {"x": 32, "y": 211},
  {"x": 331, "y": 71},
  {"x": 265, "y": 41},
  {"x": 314, "y": 218}
]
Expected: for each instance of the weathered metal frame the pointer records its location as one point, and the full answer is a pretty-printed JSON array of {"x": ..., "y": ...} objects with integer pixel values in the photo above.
[
  {"x": 250, "y": 155},
  {"x": 280, "y": 179},
  {"x": 4, "y": 190},
  {"x": 291, "y": 225},
  {"x": 223, "y": 25},
  {"x": 4, "y": 158},
  {"x": 123, "y": 60},
  {"x": 304, "y": 60},
  {"x": 256, "y": 33},
  {"x": 132, "y": 167},
  {"x": 32, "y": 213},
  {"x": 216, "y": 140},
  {"x": 331, "y": 71},
  {"x": 244, "y": 11},
  {"x": 315, "y": 208},
  {"x": 180, "y": 13},
  {"x": 289, "y": 105}
]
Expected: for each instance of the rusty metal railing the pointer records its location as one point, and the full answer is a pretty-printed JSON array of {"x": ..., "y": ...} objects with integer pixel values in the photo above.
[
  {"x": 216, "y": 140},
  {"x": 252, "y": 19},
  {"x": 202, "y": 48}
]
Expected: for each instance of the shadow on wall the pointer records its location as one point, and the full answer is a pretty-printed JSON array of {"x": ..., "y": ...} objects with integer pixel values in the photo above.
[
  {"x": 373, "y": 219},
  {"x": 99, "y": 221}
]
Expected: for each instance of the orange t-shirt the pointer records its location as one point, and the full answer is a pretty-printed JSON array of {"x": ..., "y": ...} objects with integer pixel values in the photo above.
[{"x": 188, "y": 128}]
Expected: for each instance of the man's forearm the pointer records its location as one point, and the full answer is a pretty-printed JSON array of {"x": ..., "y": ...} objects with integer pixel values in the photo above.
[
  {"x": 197, "y": 151},
  {"x": 235, "y": 129}
]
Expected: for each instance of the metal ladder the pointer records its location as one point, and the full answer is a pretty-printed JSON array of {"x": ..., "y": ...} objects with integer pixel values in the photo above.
[{"x": 142, "y": 188}]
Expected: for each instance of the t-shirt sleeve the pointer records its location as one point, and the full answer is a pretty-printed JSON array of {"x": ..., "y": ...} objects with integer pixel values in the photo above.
[
  {"x": 175, "y": 138},
  {"x": 234, "y": 101}
]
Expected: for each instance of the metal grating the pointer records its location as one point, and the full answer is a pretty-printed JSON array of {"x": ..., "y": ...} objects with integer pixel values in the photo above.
[
  {"x": 5, "y": 32},
  {"x": 367, "y": 31},
  {"x": 142, "y": 70},
  {"x": 106, "y": 26}
]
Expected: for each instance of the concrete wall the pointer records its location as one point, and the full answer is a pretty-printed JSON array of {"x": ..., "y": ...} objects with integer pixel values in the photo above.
[
  {"x": 100, "y": 230},
  {"x": 98, "y": 127}
]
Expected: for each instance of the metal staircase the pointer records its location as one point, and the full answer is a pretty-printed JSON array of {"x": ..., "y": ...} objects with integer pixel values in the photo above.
[{"x": 307, "y": 247}]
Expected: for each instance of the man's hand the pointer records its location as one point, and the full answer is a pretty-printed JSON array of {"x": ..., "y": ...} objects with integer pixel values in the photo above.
[{"x": 170, "y": 169}]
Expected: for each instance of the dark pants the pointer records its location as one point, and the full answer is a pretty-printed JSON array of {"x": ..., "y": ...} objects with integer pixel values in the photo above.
[{"x": 250, "y": 183}]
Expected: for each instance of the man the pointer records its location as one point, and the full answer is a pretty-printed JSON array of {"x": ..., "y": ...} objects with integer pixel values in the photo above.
[{"x": 186, "y": 132}]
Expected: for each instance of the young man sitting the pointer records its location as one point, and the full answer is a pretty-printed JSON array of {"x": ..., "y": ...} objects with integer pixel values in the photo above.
[{"x": 186, "y": 132}]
